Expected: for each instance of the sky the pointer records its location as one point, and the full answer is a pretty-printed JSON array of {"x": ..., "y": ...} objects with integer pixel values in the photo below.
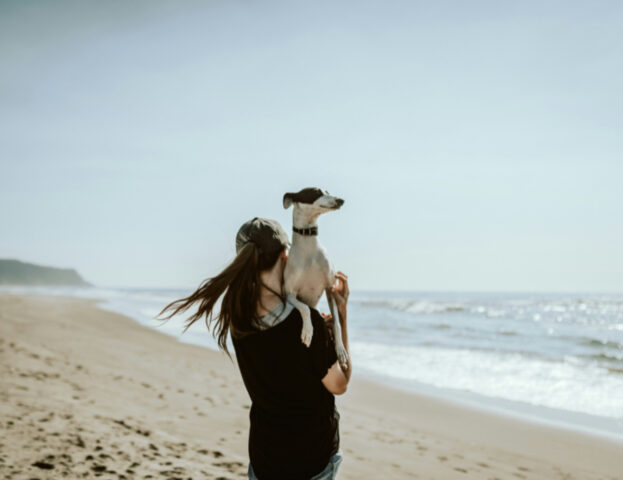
[{"x": 477, "y": 144}]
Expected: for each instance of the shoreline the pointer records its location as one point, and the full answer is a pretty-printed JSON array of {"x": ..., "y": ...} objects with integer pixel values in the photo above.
[
  {"x": 142, "y": 310},
  {"x": 76, "y": 370},
  {"x": 601, "y": 427}
]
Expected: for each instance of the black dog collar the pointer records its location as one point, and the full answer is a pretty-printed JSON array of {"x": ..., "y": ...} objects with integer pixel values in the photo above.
[{"x": 306, "y": 231}]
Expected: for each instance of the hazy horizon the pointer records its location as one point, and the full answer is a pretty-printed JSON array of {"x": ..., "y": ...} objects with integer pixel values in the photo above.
[{"x": 478, "y": 146}]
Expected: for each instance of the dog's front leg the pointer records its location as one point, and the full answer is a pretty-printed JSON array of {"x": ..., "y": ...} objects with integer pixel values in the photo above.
[
  {"x": 308, "y": 328},
  {"x": 340, "y": 350}
]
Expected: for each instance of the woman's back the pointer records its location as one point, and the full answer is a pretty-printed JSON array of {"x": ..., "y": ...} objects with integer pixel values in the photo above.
[
  {"x": 294, "y": 422},
  {"x": 294, "y": 431}
]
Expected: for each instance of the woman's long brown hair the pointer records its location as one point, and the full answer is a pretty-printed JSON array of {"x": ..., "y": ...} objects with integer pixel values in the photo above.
[{"x": 241, "y": 283}]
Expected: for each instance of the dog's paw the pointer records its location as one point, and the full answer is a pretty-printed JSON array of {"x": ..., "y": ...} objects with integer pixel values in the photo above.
[
  {"x": 307, "y": 333},
  {"x": 342, "y": 355}
]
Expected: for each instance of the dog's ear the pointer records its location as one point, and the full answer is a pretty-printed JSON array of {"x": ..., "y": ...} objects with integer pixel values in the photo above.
[{"x": 288, "y": 199}]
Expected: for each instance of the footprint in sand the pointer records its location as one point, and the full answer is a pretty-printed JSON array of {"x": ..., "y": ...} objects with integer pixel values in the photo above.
[
  {"x": 43, "y": 465},
  {"x": 123, "y": 423},
  {"x": 175, "y": 472},
  {"x": 230, "y": 466}
]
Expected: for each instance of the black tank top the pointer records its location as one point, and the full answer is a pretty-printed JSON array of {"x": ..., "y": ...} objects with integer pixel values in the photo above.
[{"x": 294, "y": 424}]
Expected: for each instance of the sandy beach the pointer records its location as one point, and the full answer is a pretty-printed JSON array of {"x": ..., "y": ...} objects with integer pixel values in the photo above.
[{"x": 87, "y": 393}]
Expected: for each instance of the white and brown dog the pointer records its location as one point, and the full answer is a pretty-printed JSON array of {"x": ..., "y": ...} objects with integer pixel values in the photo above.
[{"x": 309, "y": 272}]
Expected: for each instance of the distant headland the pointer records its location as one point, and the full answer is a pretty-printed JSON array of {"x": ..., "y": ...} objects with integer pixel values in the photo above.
[{"x": 14, "y": 272}]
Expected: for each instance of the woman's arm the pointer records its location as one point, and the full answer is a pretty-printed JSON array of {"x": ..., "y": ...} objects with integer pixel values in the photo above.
[{"x": 338, "y": 376}]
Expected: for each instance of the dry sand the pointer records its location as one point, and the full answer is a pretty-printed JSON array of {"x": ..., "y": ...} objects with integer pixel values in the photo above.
[{"x": 87, "y": 393}]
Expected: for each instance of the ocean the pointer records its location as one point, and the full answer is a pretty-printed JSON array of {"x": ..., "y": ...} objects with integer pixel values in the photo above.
[{"x": 554, "y": 358}]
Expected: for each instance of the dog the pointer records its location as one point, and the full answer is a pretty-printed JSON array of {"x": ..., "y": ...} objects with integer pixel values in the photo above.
[{"x": 308, "y": 272}]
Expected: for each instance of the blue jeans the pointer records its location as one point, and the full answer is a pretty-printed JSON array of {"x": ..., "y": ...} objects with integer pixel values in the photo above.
[{"x": 329, "y": 473}]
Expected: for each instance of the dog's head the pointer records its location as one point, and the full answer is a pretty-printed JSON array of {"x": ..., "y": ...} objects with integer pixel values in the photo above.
[{"x": 313, "y": 200}]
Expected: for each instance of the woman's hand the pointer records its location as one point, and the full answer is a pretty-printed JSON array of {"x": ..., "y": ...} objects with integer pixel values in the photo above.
[
  {"x": 339, "y": 374},
  {"x": 341, "y": 292}
]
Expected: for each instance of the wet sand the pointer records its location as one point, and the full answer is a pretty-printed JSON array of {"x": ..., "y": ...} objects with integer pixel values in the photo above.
[{"x": 86, "y": 393}]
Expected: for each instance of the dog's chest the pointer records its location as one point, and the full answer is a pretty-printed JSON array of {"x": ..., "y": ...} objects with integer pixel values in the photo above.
[
  {"x": 311, "y": 287},
  {"x": 308, "y": 276}
]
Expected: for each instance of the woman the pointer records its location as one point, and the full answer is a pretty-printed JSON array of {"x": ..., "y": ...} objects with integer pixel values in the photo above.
[{"x": 294, "y": 425}]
